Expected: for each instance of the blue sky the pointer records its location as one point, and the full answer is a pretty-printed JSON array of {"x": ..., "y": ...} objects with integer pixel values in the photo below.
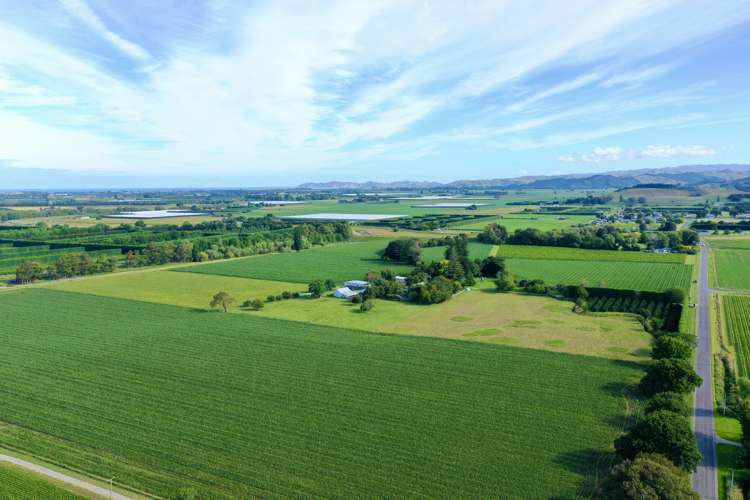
[{"x": 285, "y": 92}]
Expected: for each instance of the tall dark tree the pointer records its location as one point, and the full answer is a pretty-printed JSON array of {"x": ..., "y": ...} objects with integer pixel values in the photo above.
[
  {"x": 649, "y": 476},
  {"x": 662, "y": 432}
]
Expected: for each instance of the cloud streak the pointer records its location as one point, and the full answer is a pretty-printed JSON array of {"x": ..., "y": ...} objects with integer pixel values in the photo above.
[{"x": 282, "y": 87}]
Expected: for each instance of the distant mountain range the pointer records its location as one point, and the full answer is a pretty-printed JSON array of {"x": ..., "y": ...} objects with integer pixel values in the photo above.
[{"x": 683, "y": 176}]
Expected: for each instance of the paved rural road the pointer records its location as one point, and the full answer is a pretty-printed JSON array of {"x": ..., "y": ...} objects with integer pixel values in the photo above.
[
  {"x": 83, "y": 485},
  {"x": 704, "y": 479}
]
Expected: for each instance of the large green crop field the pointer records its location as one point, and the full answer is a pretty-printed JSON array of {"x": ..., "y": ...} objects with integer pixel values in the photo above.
[
  {"x": 733, "y": 268},
  {"x": 163, "y": 397},
  {"x": 563, "y": 253},
  {"x": 541, "y": 222},
  {"x": 737, "y": 314},
  {"x": 340, "y": 262},
  {"x": 644, "y": 276},
  {"x": 485, "y": 316},
  {"x": 18, "y": 484}
]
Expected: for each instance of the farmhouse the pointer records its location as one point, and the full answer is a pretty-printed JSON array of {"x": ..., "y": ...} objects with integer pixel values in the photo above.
[
  {"x": 346, "y": 293},
  {"x": 356, "y": 284}
]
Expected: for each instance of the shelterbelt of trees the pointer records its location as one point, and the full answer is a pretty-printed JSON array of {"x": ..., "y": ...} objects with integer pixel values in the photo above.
[
  {"x": 599, "y": 238},
  {"x": 193, "y": 249}
]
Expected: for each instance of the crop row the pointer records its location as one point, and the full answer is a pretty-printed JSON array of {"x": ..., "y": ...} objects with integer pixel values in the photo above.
[
  {"x": 10, "y": 251},
  {"x": 16, "y": 483},
  {"x": 240, "y": 405},
  {"x": 340, "y": 262},
  {"x": 563, "y": 253},
  {"x": 644, "y": 276},
  {"x": 737, "y": 314},
  {"x": 628, "y": 304},
  {"x": 733, "y": 267}
]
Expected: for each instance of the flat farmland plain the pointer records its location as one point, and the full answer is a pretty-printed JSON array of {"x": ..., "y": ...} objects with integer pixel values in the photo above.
[
  {"x": 339, "y": 262},
  {"x": 481, "y": 315},
  {"x": 164, "y": 397},
  {"x": 643, "y": 276}
]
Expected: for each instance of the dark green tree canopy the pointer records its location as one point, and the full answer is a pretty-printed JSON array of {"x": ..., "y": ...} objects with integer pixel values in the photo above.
[
  {"x": 662, "y": 432},
  {"x": 649, "y": 476},
  {"x": 669, "y": 346},
  {"x": 670, "y": 375},
  {"x": 669, "y": 401}
]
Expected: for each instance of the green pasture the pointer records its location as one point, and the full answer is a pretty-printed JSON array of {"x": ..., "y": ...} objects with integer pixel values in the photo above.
[
  {"x": 339, "y": 262},
  {"x": 235, "y": 405}
]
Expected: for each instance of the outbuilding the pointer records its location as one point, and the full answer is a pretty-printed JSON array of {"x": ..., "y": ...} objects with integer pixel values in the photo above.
[
  {"x": 346, "y": 293},
  {"x": 356, "y": 284}
]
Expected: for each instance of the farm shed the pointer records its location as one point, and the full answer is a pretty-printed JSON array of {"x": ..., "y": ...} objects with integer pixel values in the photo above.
[
  {"x": 356, "y": 284},
  {"x": 345, "y": 293}
]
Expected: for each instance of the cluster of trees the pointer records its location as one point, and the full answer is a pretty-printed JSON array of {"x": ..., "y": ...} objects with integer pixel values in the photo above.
[
  {"x": 66, "y": 266},
  {"x": 317, "y": 288},
  {"x": 239, "y": 245},
  {"x": 659, "y": 451},
  {"x": 600, "y": 238}
]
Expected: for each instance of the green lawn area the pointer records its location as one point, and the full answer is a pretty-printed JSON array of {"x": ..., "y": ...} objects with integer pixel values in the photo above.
[
  {"x": 564, "y": 253},
  {"x": 515, "y": 319},
  {"x": 341, "y": 262},
  {"x": 728, "y": 427},
  {"x": 17, "y": 483},
  {"x": 733, "y": 268},
  {"x": 237, "y": 405},
  {"x": 644, "y": 276},
  {"x": 523, "y": 221},
  {"x": 728, "y": 457}
]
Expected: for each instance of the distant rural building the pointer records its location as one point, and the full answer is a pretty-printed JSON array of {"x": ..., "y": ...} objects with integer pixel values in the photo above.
[
  {"x": 346, "y": 292},
  {"x": 356, "y": 284},
  {"x": 400, "y": 279}
]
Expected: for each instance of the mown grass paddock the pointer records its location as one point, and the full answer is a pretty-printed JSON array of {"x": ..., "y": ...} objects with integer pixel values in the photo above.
[
  {"x": 163, "y": 397},
  {"x": 340, "y": 262}
]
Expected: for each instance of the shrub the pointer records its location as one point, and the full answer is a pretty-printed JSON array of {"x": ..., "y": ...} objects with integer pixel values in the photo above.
[
  {"x": 286, "y": 295},
  {"x": 668, "y": 346},
  {"x": 648, "y": 475},
  {"x": 668, "y": 401},
  {"x": 669, "y": 375},
  {"x": 366, "y": 305},
  {"x": 506, "y": 283},
  {"x": 675, "y": 295},
  {"x": 662, "y": 432},
  {"x": 492, "y": 267},
  {"x": 404, "y": 250},
  {"x": 270, "y": 298},
  {"x": 279, "y": 297},
  {"x": 256, "y": 304}
]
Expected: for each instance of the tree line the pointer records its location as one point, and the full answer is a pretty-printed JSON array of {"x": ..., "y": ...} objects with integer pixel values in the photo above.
[{"x": 596, "y": 238}]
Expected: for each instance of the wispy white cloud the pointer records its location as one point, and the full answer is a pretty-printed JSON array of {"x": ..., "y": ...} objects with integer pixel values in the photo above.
[
  {"x": 667, "y": 151},
  {"x": 83, "y": 11},
  {"x": 616, "y": 153},
  {"x": 293, "y": 86}
]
